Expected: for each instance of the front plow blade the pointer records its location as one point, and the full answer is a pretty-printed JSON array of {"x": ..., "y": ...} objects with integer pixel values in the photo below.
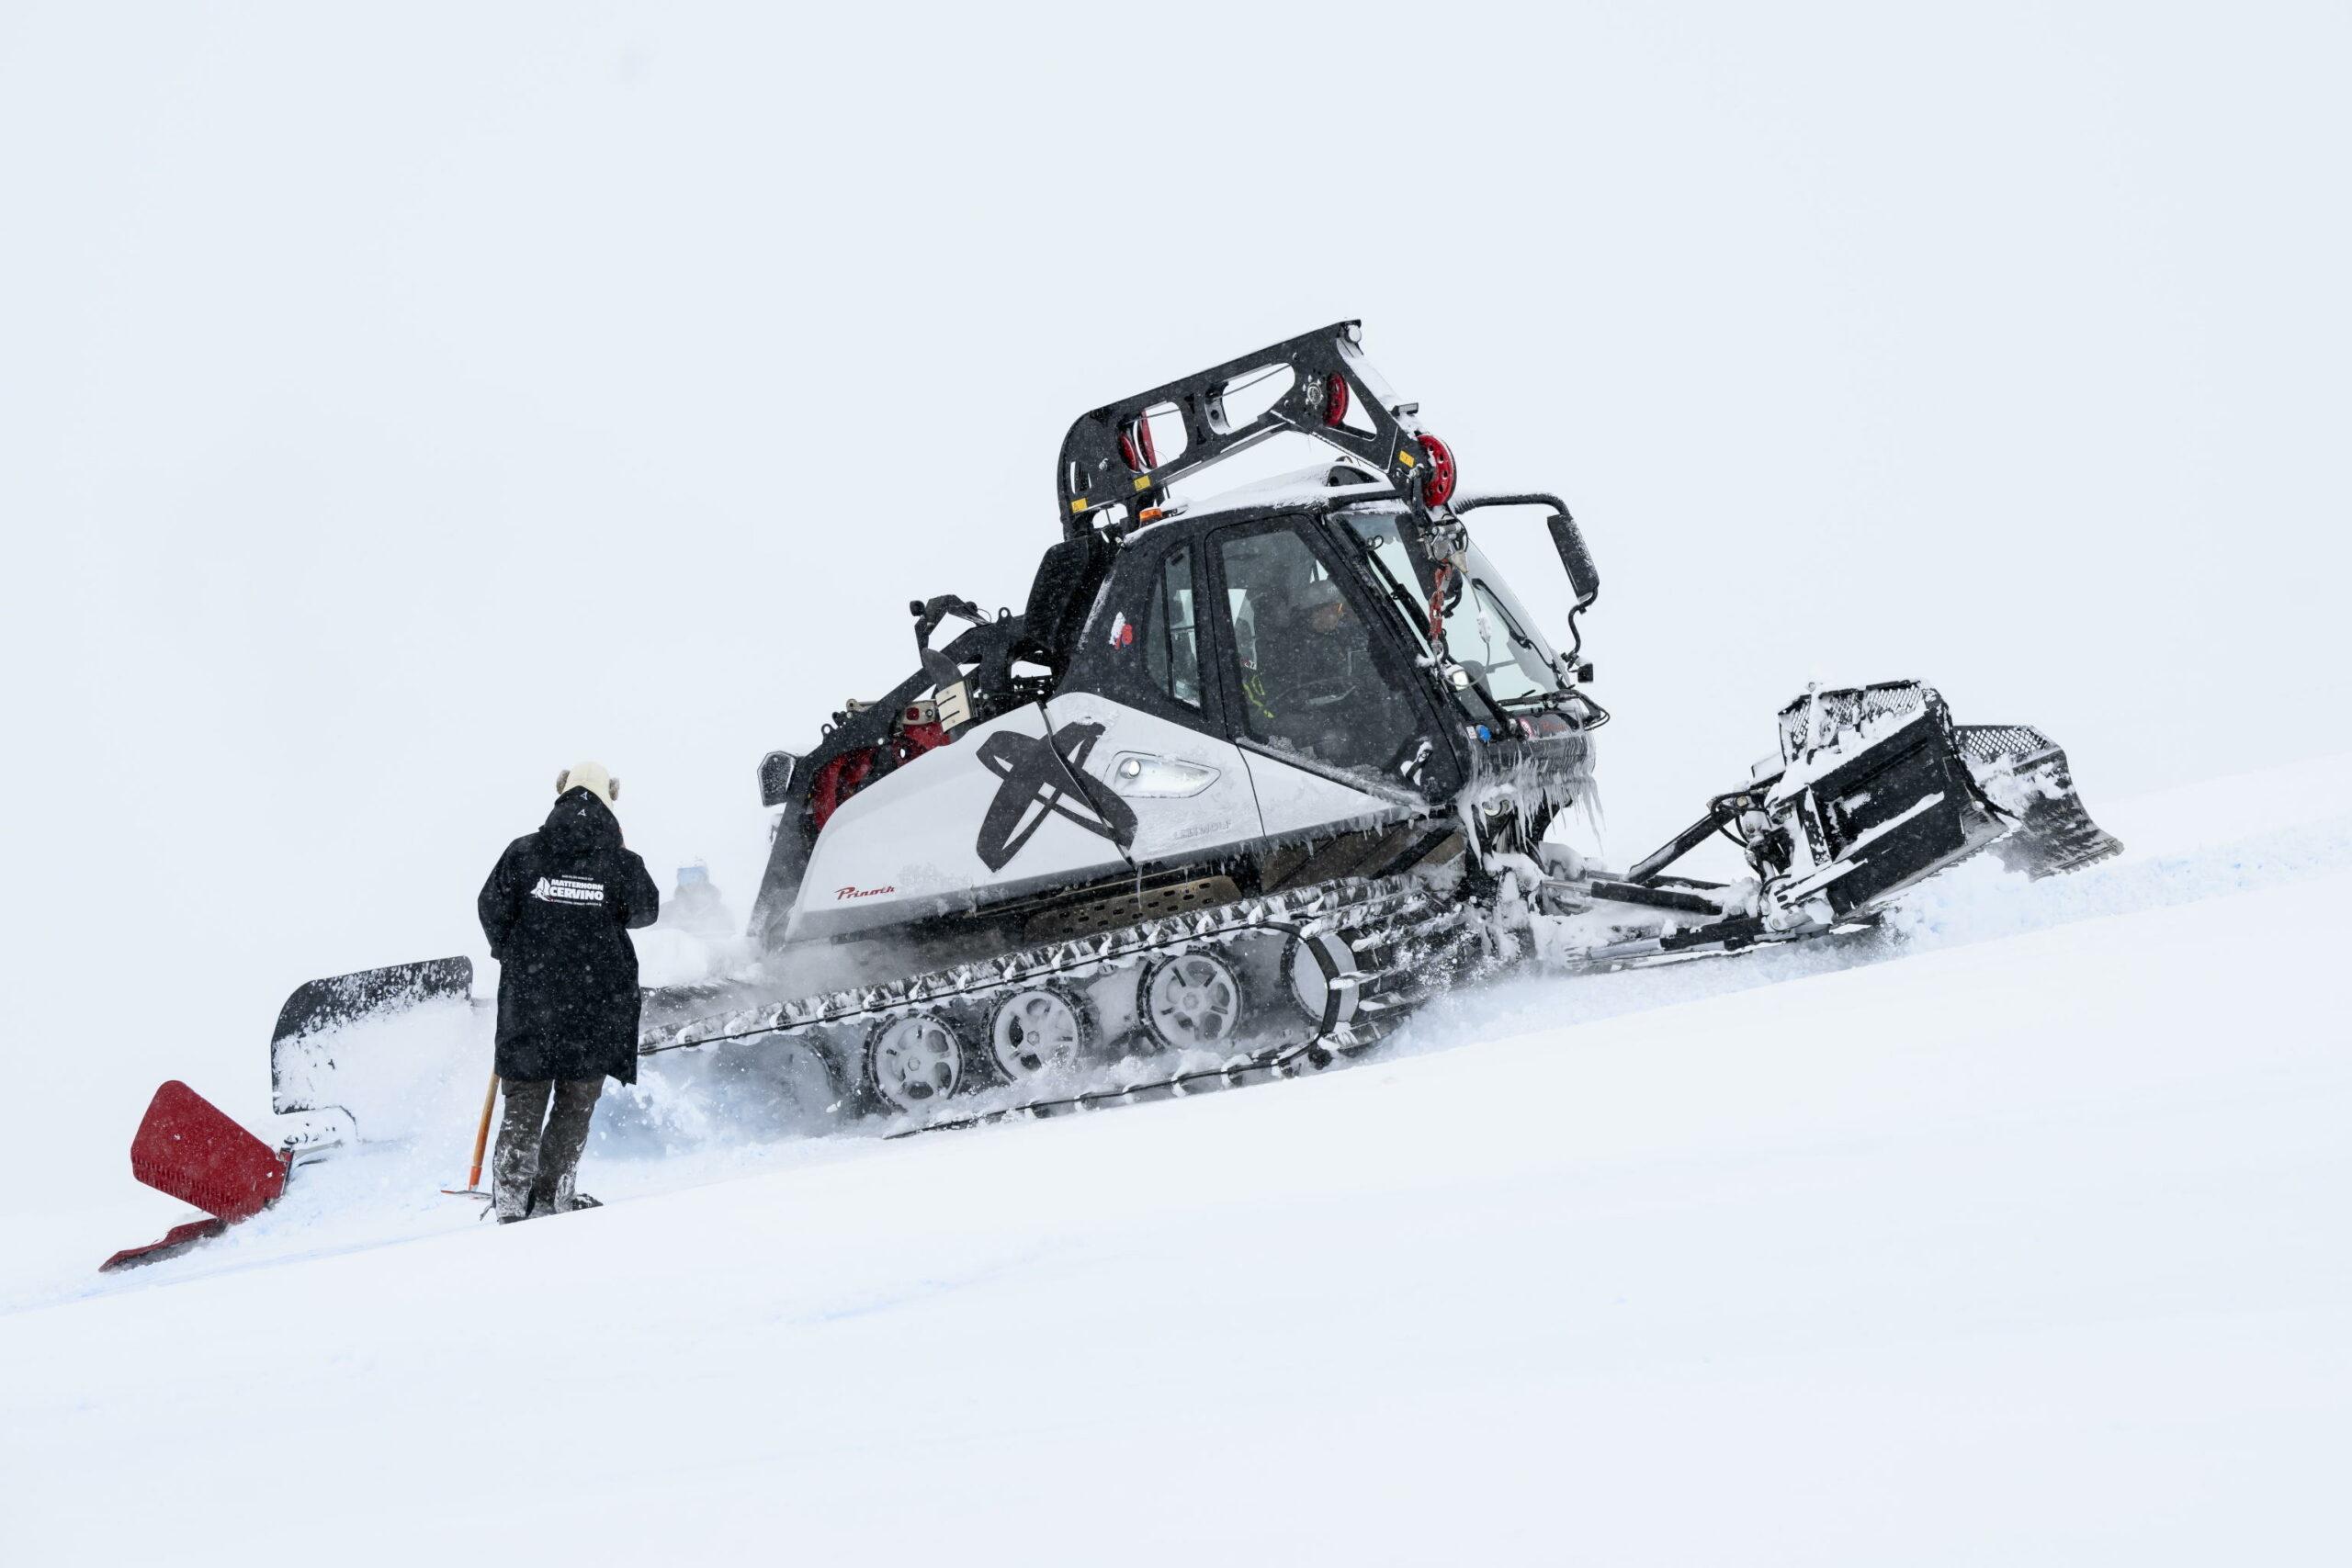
[
  {"x": 1874, "y": 797},
  {"x": 1879, "y": 789},
  {"x": 2024, "y": 772}
]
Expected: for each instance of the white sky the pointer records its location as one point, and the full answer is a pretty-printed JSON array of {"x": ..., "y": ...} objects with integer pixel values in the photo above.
[{"x": 396, "y": 407}]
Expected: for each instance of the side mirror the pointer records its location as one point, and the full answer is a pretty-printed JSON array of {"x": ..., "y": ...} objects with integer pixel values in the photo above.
[
  {"x": 1568, "y": 539},
  {"x": 775, "y": 777}
]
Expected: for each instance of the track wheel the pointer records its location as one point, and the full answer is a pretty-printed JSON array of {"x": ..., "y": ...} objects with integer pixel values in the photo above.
[
  {"x": 1191, "y": 1000},
  {"x": 1035, "y": 1029},
  {"x": 1309, "y": 964},
  {"x": 913, "y": 1063}
]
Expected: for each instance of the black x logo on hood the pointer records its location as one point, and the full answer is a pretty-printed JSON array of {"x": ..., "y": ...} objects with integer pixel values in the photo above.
[{"x": 1038, "y": 775}]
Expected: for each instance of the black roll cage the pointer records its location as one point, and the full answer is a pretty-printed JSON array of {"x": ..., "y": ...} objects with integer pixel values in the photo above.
[{"x": 1107, "y": 461}]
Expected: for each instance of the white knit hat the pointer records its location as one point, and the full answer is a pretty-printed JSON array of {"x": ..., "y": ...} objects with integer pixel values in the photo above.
[{"x": 592, "y": 777}]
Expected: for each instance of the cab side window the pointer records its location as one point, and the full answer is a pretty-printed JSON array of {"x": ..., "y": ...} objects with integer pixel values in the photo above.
[
  {"x": 1308, "y": 679},
  {"x": 1171, "y": 649}
]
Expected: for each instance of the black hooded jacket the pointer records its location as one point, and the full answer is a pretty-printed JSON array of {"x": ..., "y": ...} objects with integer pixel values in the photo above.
[{"x": 558, "y": 908}]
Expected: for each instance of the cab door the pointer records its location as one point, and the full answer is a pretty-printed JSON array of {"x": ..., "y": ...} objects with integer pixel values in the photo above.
[
  {"x": 1324, "y": 706},
  {"x": 1153, "y": 728}
]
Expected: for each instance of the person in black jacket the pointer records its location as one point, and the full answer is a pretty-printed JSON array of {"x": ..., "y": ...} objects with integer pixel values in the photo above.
[{"x": 558, "y": 909}]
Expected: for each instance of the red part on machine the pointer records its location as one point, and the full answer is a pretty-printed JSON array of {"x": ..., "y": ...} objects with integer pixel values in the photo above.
[
  {"x": 1438, "y": 489},
  {"x": 850, "y": 772},
  {"x": 176, "y": 1240},
  {"x": 1335, "y": 406},
  {"x": 1136, "y": 446},
  {"x": 836, "y": 782},
  {"x": 189, "y": 1148}
]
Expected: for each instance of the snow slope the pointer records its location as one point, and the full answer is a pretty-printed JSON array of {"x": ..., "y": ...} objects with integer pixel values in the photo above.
[{"x": 2023, "y": 1249}]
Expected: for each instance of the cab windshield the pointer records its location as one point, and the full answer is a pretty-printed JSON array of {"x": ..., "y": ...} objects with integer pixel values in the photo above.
[{"x": 1488, "y": 631}]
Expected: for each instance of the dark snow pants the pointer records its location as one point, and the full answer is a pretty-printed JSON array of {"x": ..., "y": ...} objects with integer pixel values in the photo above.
[{"x": 538, "y": 1153}]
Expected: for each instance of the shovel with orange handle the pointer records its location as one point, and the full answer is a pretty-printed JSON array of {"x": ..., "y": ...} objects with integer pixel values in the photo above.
[{"x": 472, "y": 1189}]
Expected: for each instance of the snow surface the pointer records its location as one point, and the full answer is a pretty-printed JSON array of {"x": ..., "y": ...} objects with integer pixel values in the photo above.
[{"x": 2028, "y": 1245}]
